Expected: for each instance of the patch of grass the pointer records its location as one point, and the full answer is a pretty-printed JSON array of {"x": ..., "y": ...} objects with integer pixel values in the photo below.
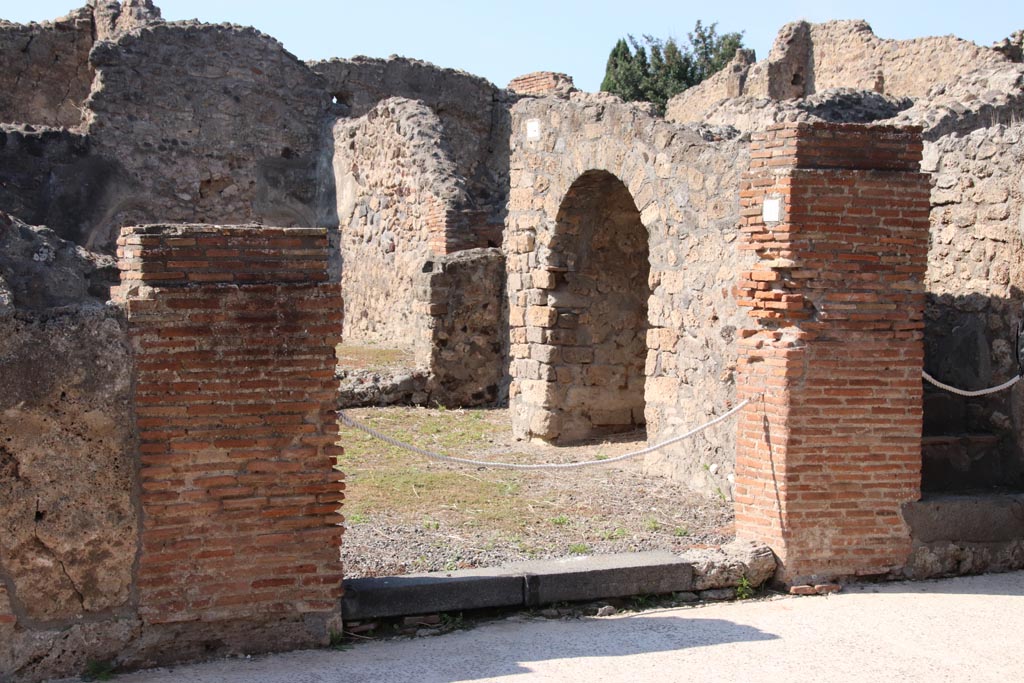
[
  {"x": 372, "y": 357},
  {"x": 642, "y": 602},
  {"x": 431, "y": 524},
  {"x": 579, "y": 549},
  {"x": 744, "y": 590},
  {"x": 357, "y": 518},
  {"x": 613, "y": 534},
  {"x": 98, "y": 670},
  {"x": 338, "y": 641},
  {"x": 651, "y": 524},
  {"x": 560, "y": 520},
  {"x": 680, "y": 532}
]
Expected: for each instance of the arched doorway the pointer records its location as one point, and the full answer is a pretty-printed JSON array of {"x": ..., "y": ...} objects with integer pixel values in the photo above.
[{"x": 599, "y": 261}]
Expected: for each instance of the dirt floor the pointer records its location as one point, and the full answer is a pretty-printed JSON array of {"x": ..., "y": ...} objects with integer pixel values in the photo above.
[{"x": 405, "y": 513}]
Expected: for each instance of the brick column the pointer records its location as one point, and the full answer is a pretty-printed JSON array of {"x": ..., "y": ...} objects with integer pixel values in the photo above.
[
  {"x": 233, "y": 330},
  {"x": 838, "y": 215}
]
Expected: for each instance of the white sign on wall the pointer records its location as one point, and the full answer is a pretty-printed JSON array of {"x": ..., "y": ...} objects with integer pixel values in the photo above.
[
  {"x": 533, "y": 129},
  {"x": 771, "y": 210}
]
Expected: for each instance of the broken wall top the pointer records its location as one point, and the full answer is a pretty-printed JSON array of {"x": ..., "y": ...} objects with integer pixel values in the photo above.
[{"x": 812, "y": 58}]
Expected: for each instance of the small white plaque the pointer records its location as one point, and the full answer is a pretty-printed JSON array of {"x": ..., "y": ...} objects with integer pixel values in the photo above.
[
  {"x": 771, "y": 210},
  {"x": 533, "y": 129}
]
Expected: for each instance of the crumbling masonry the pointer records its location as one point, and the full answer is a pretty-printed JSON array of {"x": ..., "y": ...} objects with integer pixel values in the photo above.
[{"x": 807, "y": 232}]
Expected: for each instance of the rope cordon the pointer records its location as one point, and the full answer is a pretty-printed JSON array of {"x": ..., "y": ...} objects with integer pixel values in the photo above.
[
  {"x": 964, "y": 392},
  {"x": 539, "y": 466}
]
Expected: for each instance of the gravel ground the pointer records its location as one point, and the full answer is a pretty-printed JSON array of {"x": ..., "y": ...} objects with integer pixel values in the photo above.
[{"x": 408, "y": 514}]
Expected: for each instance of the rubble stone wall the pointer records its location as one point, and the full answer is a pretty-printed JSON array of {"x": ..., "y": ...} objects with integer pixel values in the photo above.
[
  {"x": 45, "y": 74},
  {"x": 473, "y": 116},
  {"x": 395, "y": 185},
  {"x": 468, "y": 327},
  {"x": 213, "y": 124},
  {"x": 686, "y": 191}
]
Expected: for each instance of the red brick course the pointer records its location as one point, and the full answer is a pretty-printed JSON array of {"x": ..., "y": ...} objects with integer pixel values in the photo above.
[
  {"x": 830, "y": 452},
  {"x": 234, "y": 337},
  {"x": 540, "y": 83}
]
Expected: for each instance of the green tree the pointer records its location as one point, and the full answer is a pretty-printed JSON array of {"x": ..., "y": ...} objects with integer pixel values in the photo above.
[{"x": 655, "y": 70}]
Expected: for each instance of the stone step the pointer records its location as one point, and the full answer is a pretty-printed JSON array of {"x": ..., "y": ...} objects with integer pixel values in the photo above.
[{"x": 520, "y": 584}]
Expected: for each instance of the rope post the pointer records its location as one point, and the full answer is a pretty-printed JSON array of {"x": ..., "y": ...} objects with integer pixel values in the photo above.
[{"x": 839, "y": 216}]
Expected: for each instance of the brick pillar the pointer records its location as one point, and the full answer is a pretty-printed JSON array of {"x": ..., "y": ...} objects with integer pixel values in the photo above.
[
  {"x": 838, "y": 215},
  {"x": 233, "y": 331}
]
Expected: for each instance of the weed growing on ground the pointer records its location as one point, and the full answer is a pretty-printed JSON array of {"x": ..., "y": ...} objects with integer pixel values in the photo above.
[
  {"x": 652, "y": 524},
  {"x": 579, "y": 549},
  {"x": 613, "y": 534},
  {"x": 98, "y": 670},
  {"x": 744, "y": 591},
  {"x": 680, "y": 532},
  {"x": 560, "y": 520}
]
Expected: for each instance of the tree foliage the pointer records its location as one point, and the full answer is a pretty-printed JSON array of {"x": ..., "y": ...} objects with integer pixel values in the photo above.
[{"x": 654, "y": 70}]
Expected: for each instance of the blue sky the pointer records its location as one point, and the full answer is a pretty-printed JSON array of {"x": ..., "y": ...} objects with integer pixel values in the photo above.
[{"x": 500, "y": 40}]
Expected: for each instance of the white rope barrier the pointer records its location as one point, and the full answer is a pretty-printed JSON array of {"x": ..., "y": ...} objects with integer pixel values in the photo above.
[
  {"x": 540, "y": 466},
  {"x": 977, "y": 392}
]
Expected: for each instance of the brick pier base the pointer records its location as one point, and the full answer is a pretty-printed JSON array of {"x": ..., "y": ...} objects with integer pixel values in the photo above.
[
  {"x": 838, "y": 215},
  {"x": 233, "y": 331}
]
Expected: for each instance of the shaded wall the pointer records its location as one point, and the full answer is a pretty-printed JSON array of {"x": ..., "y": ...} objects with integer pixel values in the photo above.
[{"x": 45, "y": 75}]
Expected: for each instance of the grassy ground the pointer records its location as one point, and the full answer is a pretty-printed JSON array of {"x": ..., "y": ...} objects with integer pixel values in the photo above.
[
  {"x": 372, "y": 357},
  {"x": 407, "y": 513}
]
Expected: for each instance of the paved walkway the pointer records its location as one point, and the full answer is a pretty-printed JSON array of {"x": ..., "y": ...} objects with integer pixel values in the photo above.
[{"x": 967, "y": 629}]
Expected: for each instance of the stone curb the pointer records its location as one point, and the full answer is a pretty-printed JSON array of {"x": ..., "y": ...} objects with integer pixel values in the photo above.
[{"x": 529, "y": 584}]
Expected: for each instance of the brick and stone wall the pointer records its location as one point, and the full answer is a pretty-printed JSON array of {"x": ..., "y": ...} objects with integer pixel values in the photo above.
[
  {"x": 45, "y": 74},
  {"x": 685, "y": 191},
  {"x": 167, "y": 465},
  {"x": 830, "y": 448}
]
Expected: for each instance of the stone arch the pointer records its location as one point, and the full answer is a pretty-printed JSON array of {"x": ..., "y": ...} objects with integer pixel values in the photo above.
[{"x": 593, "y": 322}]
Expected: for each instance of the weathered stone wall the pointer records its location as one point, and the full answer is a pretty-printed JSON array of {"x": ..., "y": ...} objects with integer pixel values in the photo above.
[
  {"x": 395, "y": 185},
  {"x": 473, "y": 116},
  {"x": 811, "y": 58},
  {"x": 210, "y": 123},
  {"x": 686, "y": 192},
  {"x": 68, "y": 536},
  {"x": 45, "y": 74},
  {"x": 468, "y": 327}
]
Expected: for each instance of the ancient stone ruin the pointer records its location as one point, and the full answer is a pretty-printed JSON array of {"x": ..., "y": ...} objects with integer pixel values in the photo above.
[{"x": 186, "y": 210}]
